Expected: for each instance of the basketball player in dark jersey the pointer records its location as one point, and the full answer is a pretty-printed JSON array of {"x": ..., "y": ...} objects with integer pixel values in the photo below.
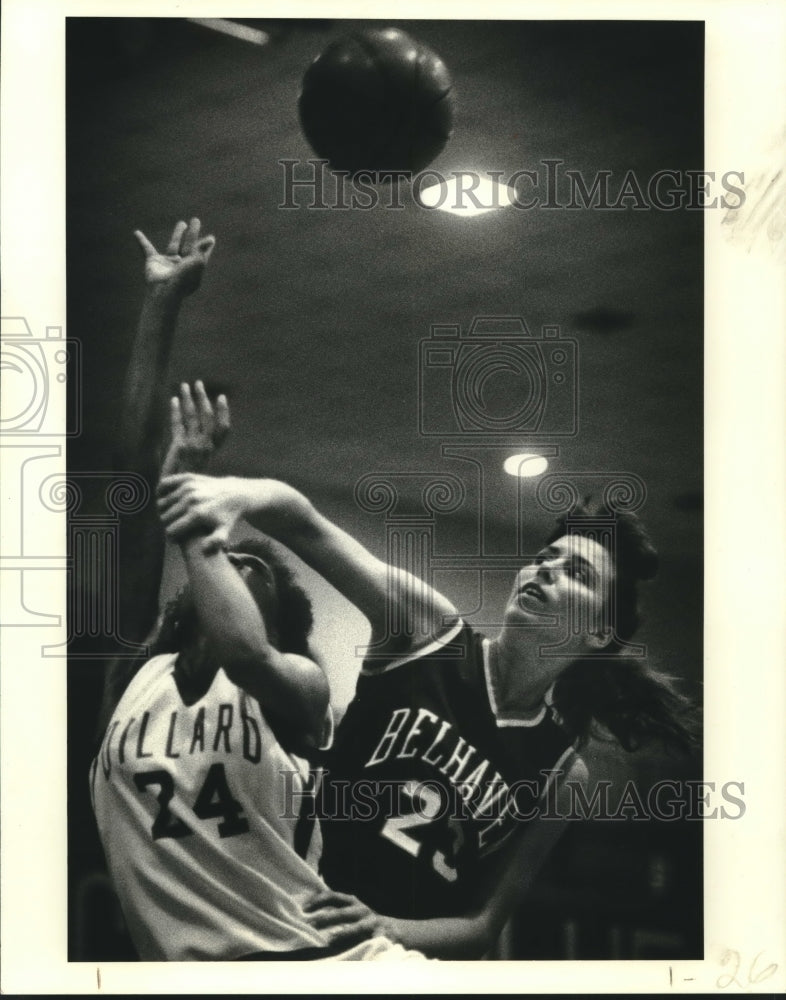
[{"x": 449, "y": 781}]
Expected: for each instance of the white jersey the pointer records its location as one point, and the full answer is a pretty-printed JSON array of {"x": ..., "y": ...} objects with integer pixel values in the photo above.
[{"x": 198, "y": 811}]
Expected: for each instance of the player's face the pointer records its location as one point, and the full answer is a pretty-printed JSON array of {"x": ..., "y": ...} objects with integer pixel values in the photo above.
[{"x": 571, "y": 579}]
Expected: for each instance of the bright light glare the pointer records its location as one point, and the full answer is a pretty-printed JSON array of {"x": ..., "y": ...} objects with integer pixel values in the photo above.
[
  {"x": 242, "y": 31},
  {"x": 459, "y": 195},
  {"x": 525, "y": 465}
]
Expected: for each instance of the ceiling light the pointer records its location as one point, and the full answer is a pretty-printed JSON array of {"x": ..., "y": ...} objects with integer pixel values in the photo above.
[
  {"x": 525, "y": 465},
  {"x": 467, "y": 195}
]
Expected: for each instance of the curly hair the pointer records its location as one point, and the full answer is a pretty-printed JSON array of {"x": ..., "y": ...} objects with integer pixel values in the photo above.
[
  {"x": 288, "y": 618},
  {"x": 291, "y": 614}
]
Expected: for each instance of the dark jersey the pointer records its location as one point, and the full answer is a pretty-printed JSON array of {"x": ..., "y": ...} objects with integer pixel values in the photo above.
[{"x": 425, "y": 780}]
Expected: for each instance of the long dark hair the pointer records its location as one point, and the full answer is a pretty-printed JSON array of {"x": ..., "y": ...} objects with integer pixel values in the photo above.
[
  {"x": 616, "y": 695},
  {"x": 626, "y": 699}
]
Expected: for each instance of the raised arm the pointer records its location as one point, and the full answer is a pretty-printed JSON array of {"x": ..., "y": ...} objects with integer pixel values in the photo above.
[
  {"x": 196, "y": 431},
  {"x": 169, "y": 277},
  {"x": 228, "y": 595},
  {"x": 142, "y": 427},
  {"x": 291, "y": 686},
  {"x": 377, "y": 589}
]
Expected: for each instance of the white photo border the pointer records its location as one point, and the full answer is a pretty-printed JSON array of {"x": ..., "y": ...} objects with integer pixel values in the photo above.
[{"x": 745, "y": 861}]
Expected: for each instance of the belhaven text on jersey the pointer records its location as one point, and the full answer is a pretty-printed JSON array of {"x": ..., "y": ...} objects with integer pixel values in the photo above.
[{"x": 425, "y": 781}]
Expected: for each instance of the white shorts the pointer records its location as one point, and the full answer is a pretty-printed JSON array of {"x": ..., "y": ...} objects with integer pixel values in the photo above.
[{"x": 378, "y": 949}]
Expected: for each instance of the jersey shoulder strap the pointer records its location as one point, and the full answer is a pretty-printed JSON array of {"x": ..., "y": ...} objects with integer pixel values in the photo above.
[{"x": 445, "y": 646}]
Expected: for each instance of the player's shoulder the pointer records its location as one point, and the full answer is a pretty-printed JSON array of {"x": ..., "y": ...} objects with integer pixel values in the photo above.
[
  {"x": 148, "y": 676},
  {"x": 576, "y": 770},
  {"x": 454, "y": 642},
  {"x": 574, "y": 774}
]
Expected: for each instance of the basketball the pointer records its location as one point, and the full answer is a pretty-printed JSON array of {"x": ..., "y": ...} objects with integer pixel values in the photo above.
[{"x": 377, "y": 101}]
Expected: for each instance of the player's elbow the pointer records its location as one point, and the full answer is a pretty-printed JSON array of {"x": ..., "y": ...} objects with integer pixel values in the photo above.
[
  {"x": 244, "y": 656},
  {"x": 421, "y": 605},
  {"x": 313, "y": 707},
  {"x": 293, "y": 687},
  {"x": 481, "y": 937}
]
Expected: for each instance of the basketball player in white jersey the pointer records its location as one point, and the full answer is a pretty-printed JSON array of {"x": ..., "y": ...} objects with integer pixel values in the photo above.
[{"x": 203, "y": 742}]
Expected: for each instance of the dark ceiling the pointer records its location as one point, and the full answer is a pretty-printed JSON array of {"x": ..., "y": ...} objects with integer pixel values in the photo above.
[{"x": 312, "y": 320}]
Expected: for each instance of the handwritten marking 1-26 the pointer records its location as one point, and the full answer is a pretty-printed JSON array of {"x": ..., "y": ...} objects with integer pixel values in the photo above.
[{"x": 743, "y": 975}]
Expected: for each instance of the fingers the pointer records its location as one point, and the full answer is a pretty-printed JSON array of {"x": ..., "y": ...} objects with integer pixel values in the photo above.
[
  {"x": 327, "y": 899},
  {"x": 189, "y": 237},
  {"x": 194, "y": 413},
  {"x": 147, "y": 247},
  {"x": 189, "y": 410},
  {"x": 180, "y": 515},
  {"x": 204, "y": 409},
  {"x": 331, "y": 918},
  {"x": 336, "y": 910},
  {"x": 173, "y": 247},
  {"x": 205, "y": 247},
  {"x": 176, "y": 496},
  {"x": 170, "y": 484},
  {"x": 196, "y": 430},
  {"x": 183, "y": 527},
  {"x": 223, "y": 423},
  {"x": 173, "y": 506},
  {"x": 183, "y": 520},
  {"x": 183, "y": 242},
  {"x": 184, "y": 516},
  {"x": 353, "y": 933},
  {"x": 175, "y": 417},
  {"x": 217, "y": 540}
]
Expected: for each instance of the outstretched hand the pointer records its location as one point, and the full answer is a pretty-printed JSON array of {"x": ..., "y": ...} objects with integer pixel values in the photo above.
[
  {"x": 178, "y": 271},
  {"x": 197, "y": 429}
]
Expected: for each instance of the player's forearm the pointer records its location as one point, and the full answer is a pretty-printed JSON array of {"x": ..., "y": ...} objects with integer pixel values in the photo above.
[
  {"x": 145, "y": 389},
  {"x": 504, "y": 888},
  {"x": 279, "y": 510},
  {"x": 374, "y": 587},
  {"x": 285, "y": 514},
  {"x": 137, "y": 450},
  {"x": 456, "y": 938},
  {"x": 202, "y": 503},
  {"x": 228, "y": 613},
  {"x": 238, "y": 637}
]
